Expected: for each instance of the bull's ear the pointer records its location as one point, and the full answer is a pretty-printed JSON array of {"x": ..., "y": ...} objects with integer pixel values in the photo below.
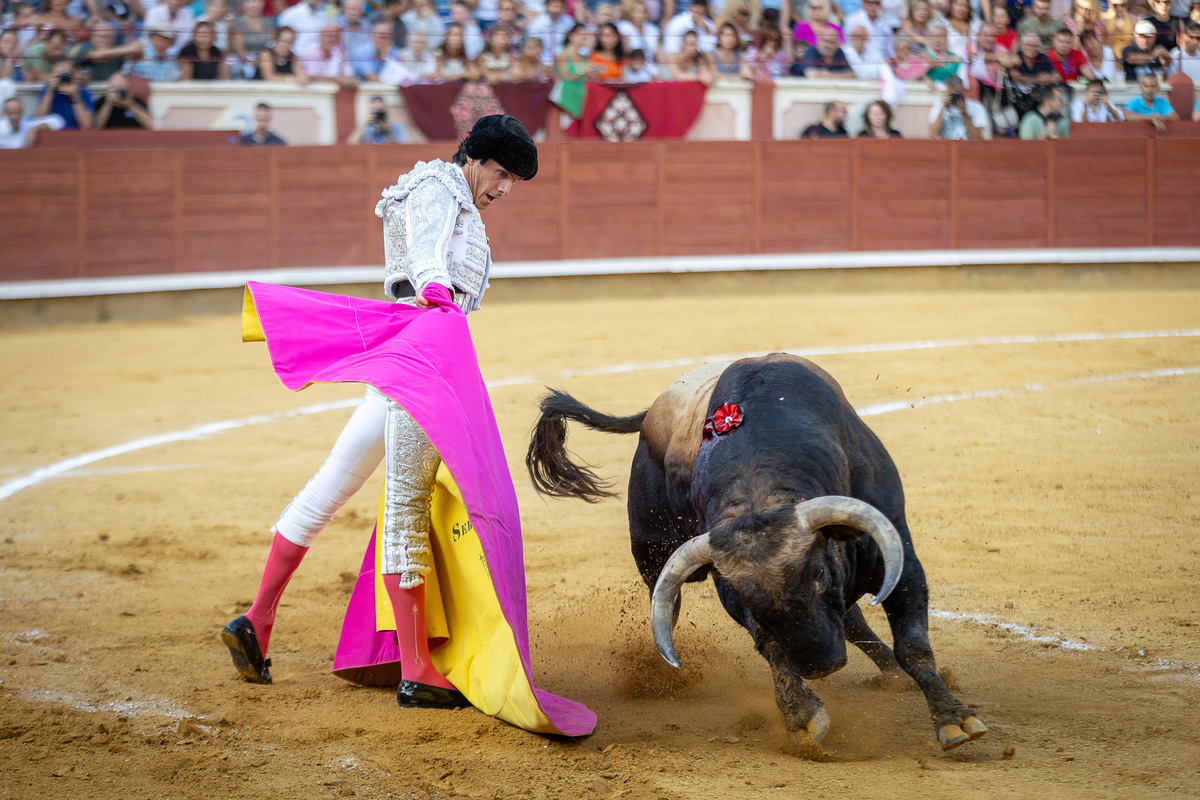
[{"x": 841, "y": 533}]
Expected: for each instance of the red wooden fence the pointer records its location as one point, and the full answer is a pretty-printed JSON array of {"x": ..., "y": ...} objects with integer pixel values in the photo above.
[{"x": 67, "y": 214}]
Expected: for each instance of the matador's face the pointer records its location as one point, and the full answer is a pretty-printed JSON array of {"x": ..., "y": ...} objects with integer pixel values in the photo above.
[{"x": 488, "y": 181}]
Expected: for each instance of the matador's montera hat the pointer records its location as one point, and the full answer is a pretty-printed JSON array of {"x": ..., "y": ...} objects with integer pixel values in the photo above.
[{"x": 504, "y": 140}]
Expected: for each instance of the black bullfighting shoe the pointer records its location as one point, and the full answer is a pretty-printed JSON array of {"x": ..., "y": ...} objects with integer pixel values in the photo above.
[
  {"x": 242, "y": 642},
  {"x": 411, "y": 694}
]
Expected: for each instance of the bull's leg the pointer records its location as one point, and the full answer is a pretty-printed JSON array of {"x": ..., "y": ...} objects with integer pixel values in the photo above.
[
  {"x": 859, "y": 634},
  {"x": 803, "y": 712},
  {"x": 655, "y": 531},
  {"x": 908, "y": 615}
]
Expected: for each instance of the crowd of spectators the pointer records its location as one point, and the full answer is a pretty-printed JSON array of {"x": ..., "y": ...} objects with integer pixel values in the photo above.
[{"x": 1007, "y": 66}]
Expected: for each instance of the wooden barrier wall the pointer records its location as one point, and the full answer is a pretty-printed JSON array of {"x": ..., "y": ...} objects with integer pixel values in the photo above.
[{"x": 70, "y": 214}]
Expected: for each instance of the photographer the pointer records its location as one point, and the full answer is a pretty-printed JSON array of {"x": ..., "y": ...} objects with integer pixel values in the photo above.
[
  {"x": 955, "y": 117},
  {"x": 376, "y": 129},
  {"x": 120, "y": 109},
  {"x": 1047, "y": 121},
  {"x": 66, "y": 94}
]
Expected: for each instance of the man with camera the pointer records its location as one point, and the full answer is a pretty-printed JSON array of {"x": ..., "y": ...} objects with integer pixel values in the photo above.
[
  {"x": 1047, "y": 121},
  {"x": 66, "y": 94},
  {"x": 377, "y": 129},
  {"x": 955, "y": 117},
  {"x": 120, "y": 109}
]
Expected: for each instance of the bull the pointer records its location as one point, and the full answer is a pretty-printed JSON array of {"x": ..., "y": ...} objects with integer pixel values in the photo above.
[{"x": 760, "y": 473}]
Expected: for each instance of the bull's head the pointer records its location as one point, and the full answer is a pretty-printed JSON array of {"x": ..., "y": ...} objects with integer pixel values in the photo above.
[{"x": 787, "y": 575}]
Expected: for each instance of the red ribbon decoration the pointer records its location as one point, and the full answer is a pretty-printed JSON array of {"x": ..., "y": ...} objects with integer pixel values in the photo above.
[{"x": 723, "y": 420}]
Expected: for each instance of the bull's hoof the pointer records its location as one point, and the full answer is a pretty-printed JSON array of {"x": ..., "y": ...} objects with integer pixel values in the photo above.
[
  {"x": 951, "y": 736},
  {"x": 813, "y": 731},
  {"x": 974, "y": 727}
]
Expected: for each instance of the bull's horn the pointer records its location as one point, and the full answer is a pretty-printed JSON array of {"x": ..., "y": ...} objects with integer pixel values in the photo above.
[
  {"x": 691, "y": 556},
  {"x": 834, "y": 510}
]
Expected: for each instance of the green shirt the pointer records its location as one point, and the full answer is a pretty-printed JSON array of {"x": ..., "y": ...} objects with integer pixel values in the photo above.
[{"x": 1033, "y": 124}]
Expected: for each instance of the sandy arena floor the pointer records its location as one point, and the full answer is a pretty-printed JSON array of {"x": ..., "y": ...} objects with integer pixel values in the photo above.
[{"x": 1056, "y": 515}]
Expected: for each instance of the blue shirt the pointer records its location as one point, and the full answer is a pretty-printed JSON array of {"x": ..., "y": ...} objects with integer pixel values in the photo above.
[
  {"x": 1138, "y": 106},
  {"x": 64, "y": 106}
]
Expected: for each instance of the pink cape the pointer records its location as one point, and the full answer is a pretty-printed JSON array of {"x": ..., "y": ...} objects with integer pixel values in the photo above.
[{"x": 426, "y": 362}]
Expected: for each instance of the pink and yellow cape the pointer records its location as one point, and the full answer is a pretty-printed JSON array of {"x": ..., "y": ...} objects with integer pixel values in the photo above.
[{"x": 475, "y": 597}]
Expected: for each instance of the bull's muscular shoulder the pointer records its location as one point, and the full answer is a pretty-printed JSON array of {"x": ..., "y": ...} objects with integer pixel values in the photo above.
[
  {"x": 675, "y": 421},
  {"x": 758, "y": 363}
]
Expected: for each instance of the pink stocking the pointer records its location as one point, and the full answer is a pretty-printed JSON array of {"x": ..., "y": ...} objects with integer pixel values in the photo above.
[
  {"x": 408, "y": 605},
  {"x": 282, "y": 562}
]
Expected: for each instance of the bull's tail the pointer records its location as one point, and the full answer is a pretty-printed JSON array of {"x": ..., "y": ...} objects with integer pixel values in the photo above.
[{"x": 550, "y": 468}]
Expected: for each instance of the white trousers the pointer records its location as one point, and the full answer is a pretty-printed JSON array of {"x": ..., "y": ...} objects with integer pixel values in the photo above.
[{"x": 378, "y": 428}]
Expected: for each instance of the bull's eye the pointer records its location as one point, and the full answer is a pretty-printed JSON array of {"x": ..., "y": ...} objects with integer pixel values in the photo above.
[{"x": 821, "y": 578}]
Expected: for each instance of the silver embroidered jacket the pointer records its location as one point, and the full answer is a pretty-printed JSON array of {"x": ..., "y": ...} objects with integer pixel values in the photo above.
[{"x": 433, "y": 234}]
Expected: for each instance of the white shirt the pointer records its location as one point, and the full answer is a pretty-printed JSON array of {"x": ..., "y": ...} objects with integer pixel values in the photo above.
[
  {"x": 681, "y": 24},
  {"x": 1187, "y": 64},
  {"x": 552, "y": 32},
  {"x": 1082, "y": 112},
  {"x": 867, "y": 64},
  {"x": 975, "y": 111},
  {"x": 12, "y": 140},
  {"x": 307, "y": 24},
  {"x": 646, "y": 39},
  {"x": 879, "y": 32},
  {"x": 183, "y": 25},
  {"x": 318, "y": 66},
  {"x": 472, "y": 39},
  {"x": 405, "y": 70},
  {"x": 1108, "y": 66}
]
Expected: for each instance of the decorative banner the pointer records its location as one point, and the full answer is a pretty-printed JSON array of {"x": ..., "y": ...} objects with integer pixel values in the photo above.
[
  {"x": 438, "y": 109},
  {"x": 626, "y": 112}
]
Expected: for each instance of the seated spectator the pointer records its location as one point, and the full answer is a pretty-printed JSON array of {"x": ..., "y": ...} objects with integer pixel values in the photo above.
[
  {"x": 1047, "y": 120},
  {"x": 743, "y": 16},
  {"x": 1166, "y": 28},
  {"x": 638, "y": 70},
  {"x": 689, "y": 64},
  {"x": 368, "y": 67},
  {"x": 1118, "y": 26},
  {"x": 1099, "y": 56},
  {"x": 1094, "y": 105},
  {"x": 200, "y": 59},
  {"x": 423, "y": 18},
  {"x": 217, "y": 14},
  {"x": 262, "y": 136},
  {"x": 174, "y": 16},
  {"x": 66, "y": 95},
  {"x": 327, "y": 62},
  {"x": 942, "y": 63},
  {"x": 529, "y": 65},
  {"x": 1071, "y": 64},
  {"x": 825, "y": 59},
  {"x": 120, "y": 109},
  {"x": 101, "y": 54},
  {"x": 24, "y": 24},
  {"x": 877, "y": 122},
  {"x": 727, "y": 55},
  {"x": 608, "y": 54},
  {"x": 808, "y": 32},
  {"x": 250, "y": 34},
  {"x": 356, "y": 33},
  {"x": 377, "y": 128},
  {"x": 12, "y": 63},
  {"x": 460, "y": 12},
  {"x": 1144, "y": 57},
  {"x": 413, "y": 64},
  {"x": 770, "y": 59},
  {"x": 56, "y": 17},
  {"x": 954, "y": 117},
  {"x": 960, "y": 28},
  {"x": 870, "y": 19},
  {"x": 506, "y": 15},
  {"x": 392, "y": 13},
  {"x": 985, "y": 56},
  {"x": 1040, "y": 22},
  {"x": 1006, "y": 36},
  {"x": 832, "y": 124},
  {"x": 453, "y": 63},
  {"x": 40, "y": 57},
  {"x": 1031, "y": 71},
  {"x": 908, "y": 63},
  {"x": 279, "y": 62},
  {"x": 23, "y": 132},
  {"x": 1149, "y": 106},
  {"x": 1085, "y": 16},
  {"x": 552, "y": 27},
  {"x": 305, "y": 18},
  {"x": 693, "y": 17},
  {"x": 916, "y": 24},
  {"x": 158, "y": 63},
  {"x": 1186, "y": 57}
]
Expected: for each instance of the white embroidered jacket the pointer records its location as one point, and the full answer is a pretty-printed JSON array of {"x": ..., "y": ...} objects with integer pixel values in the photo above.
[{"x": 433, "y": 234}]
